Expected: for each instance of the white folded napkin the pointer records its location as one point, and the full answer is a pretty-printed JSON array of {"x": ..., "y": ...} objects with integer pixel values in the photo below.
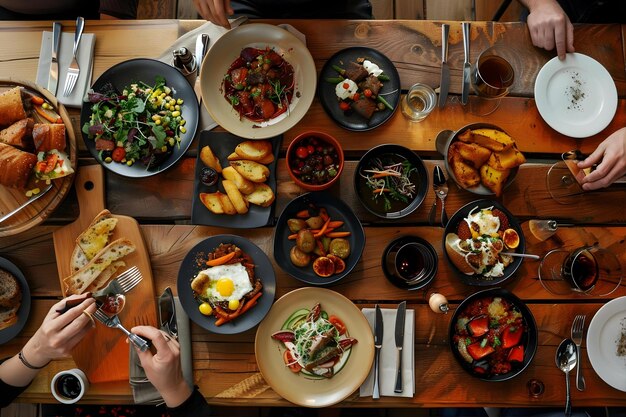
[
  {"x": 143, "y": 390},
  {"x": 389, "y": 356},
  {"x": 85, "y": 60}
]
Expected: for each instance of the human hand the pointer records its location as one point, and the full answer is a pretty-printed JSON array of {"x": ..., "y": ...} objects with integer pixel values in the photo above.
[
  {"x": 60, "y": 332},
  {"x": 215, "y": 11},
  {"x": 549, "y": 26},
  {"x": 163, "y": 369},
  {"x": 610, "y": 156}
]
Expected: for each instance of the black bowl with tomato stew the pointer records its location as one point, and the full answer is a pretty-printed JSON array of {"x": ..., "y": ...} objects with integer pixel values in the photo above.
[
  {"x": 493, "y": 335},
  {"x": 399, "y": 173}
]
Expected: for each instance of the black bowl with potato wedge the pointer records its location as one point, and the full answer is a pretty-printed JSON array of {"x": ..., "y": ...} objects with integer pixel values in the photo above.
[
  {"x": 318, "y": 239},
  {"x": 476, "y": 240},
  {"x": 235, "y": 181},
  {"x": 482, "y": 158}
]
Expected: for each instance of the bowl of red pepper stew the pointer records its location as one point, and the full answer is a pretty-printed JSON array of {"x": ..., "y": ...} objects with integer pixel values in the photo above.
[
  {"x": 493, "y": 335},
  {"x": 314, "y": 160}
]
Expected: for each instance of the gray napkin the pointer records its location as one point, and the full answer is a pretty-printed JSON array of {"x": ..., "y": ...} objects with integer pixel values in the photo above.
[
  {"x": 85, "y": 60},
  {"x": 389, "y": 356},
  {"x": 143, "y": 391}
]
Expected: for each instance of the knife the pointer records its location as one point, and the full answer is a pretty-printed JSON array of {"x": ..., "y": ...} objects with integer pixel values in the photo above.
[
  {"x": 444, "y": 83},
  {"x": 167, "y": 313},
  {"x": 53, "y": 77},
  {"x": 202, "y": 41},
  {"x": 378, "y": 344},
  {"x": 466, "y": 64},
  {"x": 400, "y": 315}
]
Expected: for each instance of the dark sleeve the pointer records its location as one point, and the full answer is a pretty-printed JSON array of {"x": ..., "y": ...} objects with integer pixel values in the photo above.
[
  {"x": 9, "y": 392},
  {"x": 195, "y": 405},
  {"x": 122, "y": 9}
]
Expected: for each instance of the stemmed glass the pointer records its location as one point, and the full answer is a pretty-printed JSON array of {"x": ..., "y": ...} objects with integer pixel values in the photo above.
[
  {"x": 492, "y": 77},
  {"x": 588, "y": 270},
  {"x": 563, "y": 178}
]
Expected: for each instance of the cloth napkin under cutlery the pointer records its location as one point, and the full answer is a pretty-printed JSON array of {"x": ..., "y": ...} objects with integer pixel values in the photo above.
[
  {"x": 143, "y": 390},
  {"x": 85, "y": 62},
  {"x": 389, "y": 356}
]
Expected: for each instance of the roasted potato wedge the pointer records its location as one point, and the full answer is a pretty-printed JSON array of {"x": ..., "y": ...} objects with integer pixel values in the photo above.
[
  {"x": 251, "y": 170},
  {"x": 235, "y": 196},
  {"x": 465, "y": 174},
  {"x": 494, "y": 179},
  {"x": 209, "y": 159},
  {"x": 213, "y": 202},
  {"x": 267, "y": 160},
  {"x": 496, "y": 142},
  {"x": 254, "y": 150},
  {"x": 227, "y": 205},
  {"x": 262, "y": 196},
  {"x": 507, "y": 159},
  {"x": 473, "y": 154},
  {"x": 244, "y": 185}
]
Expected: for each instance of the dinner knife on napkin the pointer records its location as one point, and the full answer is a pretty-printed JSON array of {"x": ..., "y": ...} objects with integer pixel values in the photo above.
[
  {"x": 466, "y": 63},
  {"x": 53, "y": 77},
  {"x": 444, "y": 83},
  {"x": 167, "y": 313},
  {"x": 378, "y": 344},
  {"x": 400, "y": 315}
]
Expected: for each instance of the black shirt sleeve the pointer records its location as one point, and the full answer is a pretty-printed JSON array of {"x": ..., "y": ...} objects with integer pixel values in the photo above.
[
  {"x": 122, "y": 9},
  {"x": 9, "y": 393},
  {"x": 195, "y": 405}
]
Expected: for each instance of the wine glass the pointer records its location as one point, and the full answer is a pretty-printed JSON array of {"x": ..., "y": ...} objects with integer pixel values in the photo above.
[
  {"x": 542, "y": 229},
  {"x": 563, "y": 178},
  {"x": 492, "y": 77},
  {"x": 588, "y": 270}
]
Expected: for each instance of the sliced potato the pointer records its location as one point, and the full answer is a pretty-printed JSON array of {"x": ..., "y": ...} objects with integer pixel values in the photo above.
[
  {"x": 251, "y": 170},
  {"x": 254, "y": 150},
  {"x": 212, "y": 202},
  {"x": 496, "y": 135},
  {"x": 465, "y": 174},
  {"x": 267, "y": 160},
  {"x": 234, "y": 157},
  {"x": 262, "y": 196},
  {"x": 244, "y": 185},
  {"x": 209, "y": 159},
  {"x": 472, "y": 153},
  {"x": 493, "y": 179},
  {"x": 507, "y": 159},
  {"x": 227, "y": 205},
  {"x": 235, "y": 196}
]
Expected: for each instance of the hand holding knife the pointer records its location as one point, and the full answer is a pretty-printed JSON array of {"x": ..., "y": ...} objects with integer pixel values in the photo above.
[
  {"x": 400, "y": 316},
  {"x": 378, "y": 344}
]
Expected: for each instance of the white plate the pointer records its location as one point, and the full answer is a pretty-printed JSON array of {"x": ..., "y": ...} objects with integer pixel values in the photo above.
[
  {"x": 603, "y": 335},
  {"x": 557, "y": 85},
  {"x": 227, "y": 49}
]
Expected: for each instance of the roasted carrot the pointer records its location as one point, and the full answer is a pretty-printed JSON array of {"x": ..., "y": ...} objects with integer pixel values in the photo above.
[
  {"x": 303, "y": 214},
  {"x": 37, "y": 100},
  {"x": 323, "y": 229},
  {"x": 320, "y": 246},
  {"x": 293, "y": 236},
  {"x": 221, "y": 260},
  {"x": 386, "y": 174},
  {"x": 381, "y": 190},
  {"x": 335, "y": 224},
  {"x": 49, "y": 116},
  {"x": 243, "y": 307},
  {"x": 251, "y": 302},
  {"x": 324, "y": 214},
  {"x": 338, "y": 234}
]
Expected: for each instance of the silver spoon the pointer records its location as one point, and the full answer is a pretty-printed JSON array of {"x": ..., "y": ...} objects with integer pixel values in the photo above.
[
  {"x": 566, "y": 361},
  {"x": 522, "y": 255}
]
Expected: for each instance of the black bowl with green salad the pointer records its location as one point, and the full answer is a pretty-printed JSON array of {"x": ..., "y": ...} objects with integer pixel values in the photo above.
[{"x": 391, "y": 181}]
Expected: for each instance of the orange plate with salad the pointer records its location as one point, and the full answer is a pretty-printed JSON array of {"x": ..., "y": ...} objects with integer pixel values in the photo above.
[
  {"x": 337, "y": 314},
  {"x": 226, "y": 284},
  {"x": 36, "y": 129}
]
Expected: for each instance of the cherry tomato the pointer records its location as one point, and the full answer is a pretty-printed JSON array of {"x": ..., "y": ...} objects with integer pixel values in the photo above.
[
  {"x": 346, "y": 85},
  {"x": 291, "y": 362},
  {"x": 118, "y": 154},
  {"x": 310, "y": 149},
  {"x": 367, "y": 92},
  {"x": 344, "y": 106},
  {"x": 336, "y": 321},
  {"x": 302, "y": 152},
  {"x": 356, "y": 96}
]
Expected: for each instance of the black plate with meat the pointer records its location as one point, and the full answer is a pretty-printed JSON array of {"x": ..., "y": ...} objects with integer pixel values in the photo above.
[{"x": 350, "y": 119}]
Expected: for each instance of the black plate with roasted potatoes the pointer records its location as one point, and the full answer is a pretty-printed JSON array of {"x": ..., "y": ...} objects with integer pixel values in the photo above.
[
  {"x": 235, "y": 181},
  {"x": 482, "y": 158}
]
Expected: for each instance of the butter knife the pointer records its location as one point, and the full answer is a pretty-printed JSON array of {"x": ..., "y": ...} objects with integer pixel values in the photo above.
[
  {"x": 444, "y": 82},
  {"x": 202, "y": 41},
  {"x": 400, "y": 316},
  {"x": 378, "y": 344},
  {"x": 167, "y": 313},
  {"x": 53, "y": 77},
  {"x": 466, "y": 64}
]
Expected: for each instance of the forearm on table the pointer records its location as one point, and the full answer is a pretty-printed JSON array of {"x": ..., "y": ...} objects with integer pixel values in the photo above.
[
  {"x": 531, "y": 4},
  {"x": 13, "y": 372}
]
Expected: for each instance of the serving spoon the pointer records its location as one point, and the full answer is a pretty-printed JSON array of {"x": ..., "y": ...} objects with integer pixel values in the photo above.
[
  {"x": 566, "y": 361},
  {"x": 522, "y": 255}
]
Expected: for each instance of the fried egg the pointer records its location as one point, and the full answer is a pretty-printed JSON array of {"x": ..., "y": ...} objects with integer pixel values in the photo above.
[
  {"x": 226, "y": 282},
  {"x": 485, "y": 223}
]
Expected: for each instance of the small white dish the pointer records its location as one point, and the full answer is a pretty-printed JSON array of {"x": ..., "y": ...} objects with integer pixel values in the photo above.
[
  {"x": 576, "y": 96},
  {"x": 68, "y": 387}
]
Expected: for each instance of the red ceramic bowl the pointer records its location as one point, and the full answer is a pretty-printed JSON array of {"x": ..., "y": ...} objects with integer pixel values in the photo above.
[{"x": 310, "y": 151}]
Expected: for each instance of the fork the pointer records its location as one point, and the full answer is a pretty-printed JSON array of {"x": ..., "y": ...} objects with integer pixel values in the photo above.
[
  {"x": 73, "y": 70},
  {"x": 578, "y": 328},
  {"x": 125, "y": 282},
  {"x": 114, "y": 321}
]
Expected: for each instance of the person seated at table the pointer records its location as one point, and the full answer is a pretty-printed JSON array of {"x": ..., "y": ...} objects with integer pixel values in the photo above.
[
  {"x": 165, "y": 373},
  {"x": 55, "y": 338},
  {"x": 217, "y": 11},
  {"x": 67, "y": 9},
  {"x": 550, "y": 21}
]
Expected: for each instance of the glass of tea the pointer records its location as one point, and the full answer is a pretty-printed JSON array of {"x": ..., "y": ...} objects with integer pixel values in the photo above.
[
  {"x": 69, "y": 386},
  {"x": 588, "y": 270},
  {"x": 410, "y": 263},
  {"x": 419, "y": 101},
  {"x": 492, "y": 77}
]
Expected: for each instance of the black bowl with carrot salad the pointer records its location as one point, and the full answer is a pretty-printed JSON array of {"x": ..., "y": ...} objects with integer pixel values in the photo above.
[{"x": 226, "y": 284}]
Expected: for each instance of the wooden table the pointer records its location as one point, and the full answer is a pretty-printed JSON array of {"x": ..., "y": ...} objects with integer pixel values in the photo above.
[{"x": 225, "y": 366}]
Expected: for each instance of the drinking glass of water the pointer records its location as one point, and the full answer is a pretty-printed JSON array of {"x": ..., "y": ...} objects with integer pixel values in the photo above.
[{"x": 419, "y": 102}]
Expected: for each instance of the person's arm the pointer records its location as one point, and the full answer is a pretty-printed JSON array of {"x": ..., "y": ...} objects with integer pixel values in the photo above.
[
  {"x": 549, "y": 26},
  {"x": 610, "y": 156},
  {"x": 215, "y": 11},
  {"x": 56, "y": 337}
]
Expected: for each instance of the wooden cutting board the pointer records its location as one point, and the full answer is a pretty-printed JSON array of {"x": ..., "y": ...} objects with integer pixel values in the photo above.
[{"x": 103, "y": 353}]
